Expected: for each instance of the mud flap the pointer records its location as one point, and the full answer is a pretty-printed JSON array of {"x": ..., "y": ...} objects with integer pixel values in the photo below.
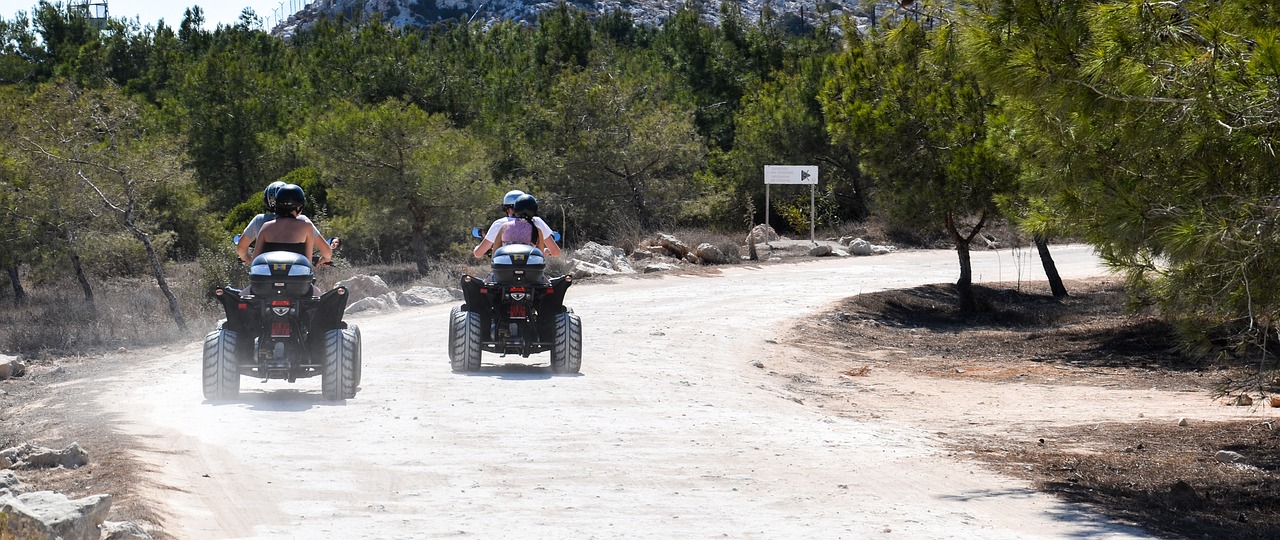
[
  {"x": 326, "y": 313},
  {"x": 241, "y": 317}
]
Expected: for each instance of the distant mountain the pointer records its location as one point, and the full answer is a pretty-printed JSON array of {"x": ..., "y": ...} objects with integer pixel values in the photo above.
[{"x": 425, "y": 13}]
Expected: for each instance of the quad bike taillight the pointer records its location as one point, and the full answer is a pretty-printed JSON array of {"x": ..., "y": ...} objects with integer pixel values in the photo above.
[{"x": 518, "y": 312}]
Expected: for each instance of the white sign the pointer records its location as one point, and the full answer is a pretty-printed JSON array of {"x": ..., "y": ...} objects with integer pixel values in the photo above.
[{"x": 791, "y": 174}]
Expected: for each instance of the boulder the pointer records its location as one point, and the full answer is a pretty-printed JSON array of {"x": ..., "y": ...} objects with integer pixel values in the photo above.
[
  {"x": 377, "y": 303},
  {"x": 363, "y": 286},
  {"x": 597, "y": 259},
  {"x": 11, "y": 367},
  {"x": 30, "y": 456},
  {"x": 658, "y": 267},
  {"x": 673, "y": 245},
  {"x": 123, "y": 530},
  {"x": 820, "y": 250},
  {"x": 426, "y": 296},
  {"x": 711, "y": 254},
  {"x": 858, "y": 246},
  {"x": 762, "y": 233},
  {"x": 582, "y": 269},
  {"x": 45, "y": 515},
  {"x": 9, "y": 480}
]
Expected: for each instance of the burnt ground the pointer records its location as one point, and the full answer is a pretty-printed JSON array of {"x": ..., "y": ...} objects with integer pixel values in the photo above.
[{"x": 1161, "y": 476}]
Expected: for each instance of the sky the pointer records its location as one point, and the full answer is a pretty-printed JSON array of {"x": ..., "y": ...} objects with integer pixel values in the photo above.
[{"x": 149, "y": 12}]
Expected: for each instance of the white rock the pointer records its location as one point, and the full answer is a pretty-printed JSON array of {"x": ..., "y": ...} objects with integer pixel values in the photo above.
[{"x": 1227, "y": 456}]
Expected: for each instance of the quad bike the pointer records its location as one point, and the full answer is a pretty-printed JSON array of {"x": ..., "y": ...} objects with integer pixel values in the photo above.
[
  {"x": 515, "y": 311},
  {"x": 281, "y": 331}
]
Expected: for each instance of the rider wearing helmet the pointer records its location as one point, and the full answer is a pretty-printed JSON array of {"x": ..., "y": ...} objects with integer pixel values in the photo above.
[
  {"x": 288, "y": 233},
  {"x": 521, "y": 230},
  {"x": 251, "y": 231},
  {"x": 548, "y": 245}
]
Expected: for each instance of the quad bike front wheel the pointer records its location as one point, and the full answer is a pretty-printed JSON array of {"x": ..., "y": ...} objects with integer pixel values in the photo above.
[
  {"x": 566, "y": 350},
  {"x": 464, "y": 341},
  {"x": 220, "y": 370},
  {"x": 341, "y": 373}
]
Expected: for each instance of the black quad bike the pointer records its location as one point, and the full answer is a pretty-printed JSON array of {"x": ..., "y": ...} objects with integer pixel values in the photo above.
[
  {"x": 281, "y": 331},
  {"x": 515, "y": 311}
]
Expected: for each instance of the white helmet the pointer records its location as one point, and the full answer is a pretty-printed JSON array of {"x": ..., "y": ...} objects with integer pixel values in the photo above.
[{"x": 510, "y": 198}]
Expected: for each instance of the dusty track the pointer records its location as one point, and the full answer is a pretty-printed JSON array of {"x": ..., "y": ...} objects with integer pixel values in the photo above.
[{"x": 670, "y": 431}]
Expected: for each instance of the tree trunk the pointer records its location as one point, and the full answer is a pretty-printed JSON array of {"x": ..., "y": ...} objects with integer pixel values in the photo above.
[
  {"x": 82, "y": 277},
  {"x": 418, "y": 245},
  {"x": 1050, "y": 269},
  {"x": 158, "y": 269},
  {"x": 964, "y": 286},
  {"x": 19, "y": 294},
  {"x": 638, "y": 202}
]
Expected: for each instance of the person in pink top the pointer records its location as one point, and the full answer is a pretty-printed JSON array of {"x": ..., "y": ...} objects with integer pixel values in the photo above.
[{"x": 491, "y": 237}]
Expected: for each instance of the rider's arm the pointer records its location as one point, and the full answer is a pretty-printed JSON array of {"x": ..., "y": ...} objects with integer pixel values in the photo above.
[
  {"x": 317, "y": 243},
  {"x": 490, "y": 237},
  {"x": 549, "y": 246},
  {"x": 247, "y": 237}
]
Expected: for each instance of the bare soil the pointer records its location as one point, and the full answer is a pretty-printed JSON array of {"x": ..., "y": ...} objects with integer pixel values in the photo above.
[{"x": 1161, "y": 475}]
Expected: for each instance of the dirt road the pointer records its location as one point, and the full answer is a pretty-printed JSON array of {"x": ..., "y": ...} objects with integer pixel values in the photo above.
[{"x": 671, "y": 431}]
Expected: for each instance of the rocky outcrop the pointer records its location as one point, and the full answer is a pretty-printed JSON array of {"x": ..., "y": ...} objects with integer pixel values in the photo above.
[{"x": 794, "y": 14}]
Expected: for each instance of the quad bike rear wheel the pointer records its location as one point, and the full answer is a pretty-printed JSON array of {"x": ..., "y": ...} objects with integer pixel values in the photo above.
[
  {"x": 566, "y": 350},
  {"x": 341, "y": 364},
  {"x": 453, "y": 333},
  {"x": 359, "y": 358},
  {"x": 464, "y": 342},
  {"x": 221, "y": 372}
]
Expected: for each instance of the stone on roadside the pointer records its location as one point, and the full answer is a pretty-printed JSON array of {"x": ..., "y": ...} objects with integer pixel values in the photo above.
[
  {"x": 363, "y": 286},
  {"x": 710, "y": 254},
  {"x": 426, "y": 296},
  {"x": 46, "y": 515},
  {"x": 1227, "y": 456}
]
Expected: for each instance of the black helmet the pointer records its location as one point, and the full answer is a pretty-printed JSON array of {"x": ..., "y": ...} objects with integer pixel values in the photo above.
[
  {"x": 269, "y": 194},
  {"x": 510, "y": 198},
  {"x": 289, "y": 197},
  {"x": 526, "y": 205}
]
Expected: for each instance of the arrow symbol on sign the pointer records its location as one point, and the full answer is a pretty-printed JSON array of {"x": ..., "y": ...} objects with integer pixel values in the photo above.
[{"x": 804, "y": 175}]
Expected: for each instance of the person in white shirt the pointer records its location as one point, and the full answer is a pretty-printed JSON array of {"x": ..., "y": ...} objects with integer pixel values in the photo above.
[{"x": 551, "y": 249}]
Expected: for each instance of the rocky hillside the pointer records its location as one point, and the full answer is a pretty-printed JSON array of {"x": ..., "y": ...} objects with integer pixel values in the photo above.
[{"x": 425, "y": 13}]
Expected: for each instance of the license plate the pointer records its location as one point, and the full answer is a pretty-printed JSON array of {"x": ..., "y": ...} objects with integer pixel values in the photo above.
[
  {"x": 280, "y": 329},
  {"x": 518, "y": 311}
]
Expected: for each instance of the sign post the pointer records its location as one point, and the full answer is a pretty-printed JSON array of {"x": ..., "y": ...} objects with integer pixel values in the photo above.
[{"x": 792, "y": 174}]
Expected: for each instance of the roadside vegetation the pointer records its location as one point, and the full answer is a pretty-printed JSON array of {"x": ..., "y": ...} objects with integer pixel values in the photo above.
[{"x": 130, "y": 155}]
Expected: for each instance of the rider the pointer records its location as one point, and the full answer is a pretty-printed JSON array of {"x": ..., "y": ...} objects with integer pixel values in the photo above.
[
  {"x": 251, "y": 231},
  {"x": 508, "y": 206},
  {"x": 287, "y": 232},
  {"x": 522, "y": 229}
]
